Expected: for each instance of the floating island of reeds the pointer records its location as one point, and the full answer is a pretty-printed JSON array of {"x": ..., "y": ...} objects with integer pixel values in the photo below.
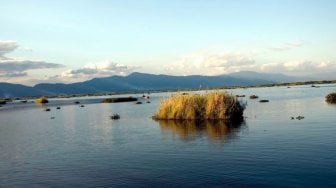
[
  {"x": 41, "y": 100},
  {"x": 119, "y": 99},
  {"x": 209, "y": 106},
  {"x": 331, "y": 98}
]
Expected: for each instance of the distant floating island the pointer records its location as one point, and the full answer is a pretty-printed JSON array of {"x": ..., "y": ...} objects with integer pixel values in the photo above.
[
  {"x": 41, "y": 100},
  {"x": 119, "y": 99}
]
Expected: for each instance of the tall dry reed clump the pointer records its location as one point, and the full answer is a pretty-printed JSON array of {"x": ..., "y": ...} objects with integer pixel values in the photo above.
[
  {"x": 210, "y": 106},
  {"x": 331, "y": 98}
]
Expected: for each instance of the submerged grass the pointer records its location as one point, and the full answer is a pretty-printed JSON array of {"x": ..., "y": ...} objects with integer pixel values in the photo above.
[
  {"x": 210, "y": 106},
  {"x": 331, "y": 98}
]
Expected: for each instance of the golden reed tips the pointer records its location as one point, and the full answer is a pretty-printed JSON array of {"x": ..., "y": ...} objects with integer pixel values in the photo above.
[{"x": 209, "y": 106}]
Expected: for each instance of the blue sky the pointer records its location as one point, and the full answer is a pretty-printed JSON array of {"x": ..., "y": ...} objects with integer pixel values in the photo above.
[{"x": 66, "y": 41}]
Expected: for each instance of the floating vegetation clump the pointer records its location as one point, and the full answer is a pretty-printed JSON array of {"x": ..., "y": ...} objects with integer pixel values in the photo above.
[
  {"x": 41, "y": 100},
  {"x": 331, "y": 98},
  {"x": 254, "y": 97},
  {"x": 210, "y": 106},
  {"x": 264, "y": 100},
  {"x": 115, "y": 116},
  {"x": 120, "y": 99},
  {"x": 298, "y": 117}
]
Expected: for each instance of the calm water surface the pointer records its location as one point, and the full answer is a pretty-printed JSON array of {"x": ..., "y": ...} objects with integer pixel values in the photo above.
[{"x": 83, "y": 147}]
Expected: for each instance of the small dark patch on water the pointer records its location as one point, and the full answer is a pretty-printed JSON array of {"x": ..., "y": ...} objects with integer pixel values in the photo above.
[
  {"x": 254, "y": 97},
  {"x": 119, "y": 99},
  {"x": 115, "y": 116},
  {"x": 264, "y": 100}
]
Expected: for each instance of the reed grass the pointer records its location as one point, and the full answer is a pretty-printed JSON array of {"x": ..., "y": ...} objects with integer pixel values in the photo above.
[
  {"x": 210, "y": 106},
  {"x": 331, "y": 98},
  {"x": 41, "y": 100}
]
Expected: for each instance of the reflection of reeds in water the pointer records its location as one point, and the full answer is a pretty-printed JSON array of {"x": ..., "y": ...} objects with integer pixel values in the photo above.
[
  {"x": 214, "y": 130},
  {"x": 41, "y": 104}
]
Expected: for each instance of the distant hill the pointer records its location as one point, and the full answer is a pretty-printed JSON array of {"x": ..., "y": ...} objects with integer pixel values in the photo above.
[
  {"x": 17, "y": 90},
  {"x": 141, "y": 81}
]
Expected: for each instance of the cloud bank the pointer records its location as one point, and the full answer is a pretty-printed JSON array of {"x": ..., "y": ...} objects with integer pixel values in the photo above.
[
  {"x": 17, "y": 70},
  {"x": 7, "y": 47},
  {"x": 286, "y": 46},
  {"x": 23, "y": 65},
  {"x": 94, "y": 70},
  {"x": 15, "y": 67},
  {"x": 210, "y": 64},
  {"x": 224, "y": 63},
  {"x": 300, "y": 67}
]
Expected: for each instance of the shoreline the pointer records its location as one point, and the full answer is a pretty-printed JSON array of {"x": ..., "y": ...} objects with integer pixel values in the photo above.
[{"x": 313, "y": 83}]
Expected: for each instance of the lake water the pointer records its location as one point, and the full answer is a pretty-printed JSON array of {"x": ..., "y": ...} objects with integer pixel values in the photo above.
[{"x": 83, "y": 147}]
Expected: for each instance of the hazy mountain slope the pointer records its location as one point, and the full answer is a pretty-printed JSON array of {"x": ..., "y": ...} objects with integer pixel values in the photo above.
[
  {"x": 141, "y": 81},
  {"x": 17, "y": 90},
  {"x": 274, "y": 77}
]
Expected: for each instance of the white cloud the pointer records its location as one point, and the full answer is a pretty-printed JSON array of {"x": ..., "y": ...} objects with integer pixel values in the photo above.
[
  {"x": 7, "y": 47},
  {"x": 224, "y": 63},
  {"x": 27, "y": 49},
  {"x": 94, "y": 70},
  {"x": 13, "y": 74},
  {"x": 300, "y": 67},
  {"x": 227, "y": 60},
  {"x": 15, "y": 67},
  {"x": 286, "y": 46},
  {"x": 210, "y": 64},
  {"x": 24, "y": 65}
]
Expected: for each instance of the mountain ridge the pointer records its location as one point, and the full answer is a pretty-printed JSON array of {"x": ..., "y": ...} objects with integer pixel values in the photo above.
[{"x": 143, "y": 81}]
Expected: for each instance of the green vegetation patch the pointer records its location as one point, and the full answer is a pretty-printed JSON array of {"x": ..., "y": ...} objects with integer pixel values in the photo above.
[{"x": 210, "y": 106}]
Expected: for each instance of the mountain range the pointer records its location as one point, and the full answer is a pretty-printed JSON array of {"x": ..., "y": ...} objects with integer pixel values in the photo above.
[{"x": 142, "y": 82}]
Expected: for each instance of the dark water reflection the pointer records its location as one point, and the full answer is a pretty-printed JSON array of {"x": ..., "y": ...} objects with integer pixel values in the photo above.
[{"x": 216, "y": 131}]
